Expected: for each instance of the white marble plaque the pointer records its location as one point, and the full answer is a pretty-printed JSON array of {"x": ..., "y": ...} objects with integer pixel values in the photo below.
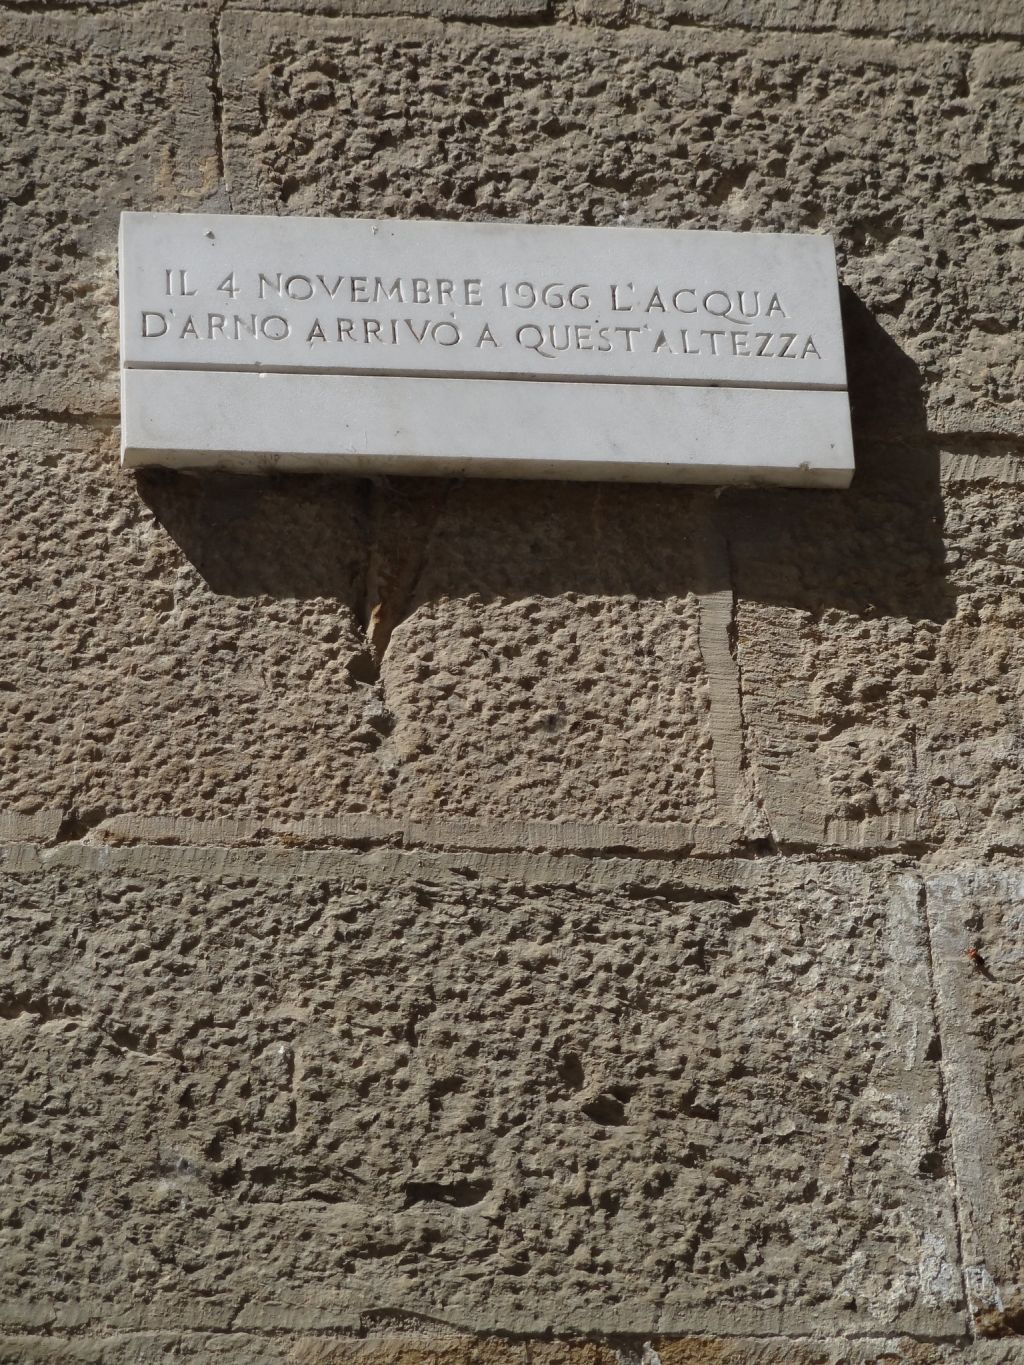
[{"x": 255, "y": 342}]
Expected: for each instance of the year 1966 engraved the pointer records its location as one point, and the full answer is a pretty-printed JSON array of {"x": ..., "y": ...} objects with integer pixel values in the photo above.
[{"x": 527, "y": 295}]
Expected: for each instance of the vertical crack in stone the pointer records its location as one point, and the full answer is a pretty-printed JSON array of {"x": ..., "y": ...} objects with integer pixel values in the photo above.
[
  {"x": 364, "y": 666},
  {"x": 748, "y": 784},
  {"x": 372, "y": 612},
  {"x": 734, "y": 776},
  {"x": 946, "y": 1118},
  {"x": 978, "y": 1200},
  {"x": 217, "y": 91},
  {"x": 394, "y": 574}
]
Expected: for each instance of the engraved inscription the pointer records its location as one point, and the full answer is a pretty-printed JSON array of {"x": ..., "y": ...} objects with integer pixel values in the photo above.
[
  {"x": 756, "y": 316},
  {"x": 480, "y": 300},
  {"x": 500, "y": 349}
]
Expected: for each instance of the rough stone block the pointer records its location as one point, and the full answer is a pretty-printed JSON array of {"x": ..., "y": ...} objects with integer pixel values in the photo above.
[
  {"x": 879, "y": 650},
  {"x": 138, "y": 680},
  {"x": 670, "y": 129},
  {"x": 817, "y": 668},
  {"x": 102, "y": 112},
  {"x": 224, "y": 663},
  {"x": 977, "y": 925},
  {"x": 813, "y": 667},
  {"x": 256, "y": 1092},
  {"x": 553, "y": 658}
]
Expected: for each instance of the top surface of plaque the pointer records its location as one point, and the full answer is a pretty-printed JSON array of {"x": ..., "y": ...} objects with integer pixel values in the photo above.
[{"x": 487, "y": 300}]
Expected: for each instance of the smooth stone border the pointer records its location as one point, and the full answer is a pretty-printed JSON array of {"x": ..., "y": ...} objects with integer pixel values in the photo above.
[{"x": 495, "y": 428}]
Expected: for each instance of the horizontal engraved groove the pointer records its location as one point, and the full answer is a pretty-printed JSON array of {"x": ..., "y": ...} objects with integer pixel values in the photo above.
[{"x": 511, "y": 375}]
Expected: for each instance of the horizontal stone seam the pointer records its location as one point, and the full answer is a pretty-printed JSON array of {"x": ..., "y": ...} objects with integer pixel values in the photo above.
[
  {"x": 703, "y": 877},
  {"x": 52, "y": 828},
  {"x": 460, "y": 1336},
  {"x": 631, "y": 16},
  {"x": 100, "y": 421},
  {"x": 942, "y": 37},
  {"x": 633, "y": 23},
  {"x": 750, "y": 852},
  {"x": 543, "y": 18},
  {"x": 98, "y": 8}
]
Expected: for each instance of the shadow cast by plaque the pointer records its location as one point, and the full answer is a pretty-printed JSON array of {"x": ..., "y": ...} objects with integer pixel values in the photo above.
[{"x": 381, "y": 547}]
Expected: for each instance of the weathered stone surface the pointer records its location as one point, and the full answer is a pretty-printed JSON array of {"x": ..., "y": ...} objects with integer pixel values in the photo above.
[
  {"x": 881, "y": 658},
  {"x": 137, "y": 681},
  {"x": 809, "y": 667},
  {"x": 146, "y": 1348},
  {"x": 977, "y": 923},
  {"x": 253, "y": 1085},
  {"x": 441, "y": 1348},
  {"x": 235, "y": 679},
  {"x": 594, "y": 595},
  {"x": 101, "y": 113},
  {"x": 914, "y": 19},
  {"x": 243, "y": 1097},
  {"x": 674, "y": 130}
]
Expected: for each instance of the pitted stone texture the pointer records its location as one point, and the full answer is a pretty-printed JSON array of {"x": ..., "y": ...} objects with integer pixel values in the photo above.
[
  {"x": 977, "y": 918},
  {"x": 237, "y": 1348},
  {"x": 287, "y": 1099},
  {"x": 893, "y": 1351},
  {"x": 146, "y": 1348},
  {"x": 737, "y": 130},
  {"x": 136, "y": 679},
  {"x": 210, "y": 649},
  {"x": 975, "y": 749},
  {"x": 881, "y": 658},
  {"x": 549, "y": 662},
  {"x": 101, "y": 113},
  {"x": 424, "y": 1350},
  {"x": 206, "y": 647},
  {"x": 476, "y": 11},
  {"x": 912, "y": 19}
]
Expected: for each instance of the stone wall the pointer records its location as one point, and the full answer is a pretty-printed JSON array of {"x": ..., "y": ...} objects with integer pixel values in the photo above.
[{"x": 516, "y": 924}]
